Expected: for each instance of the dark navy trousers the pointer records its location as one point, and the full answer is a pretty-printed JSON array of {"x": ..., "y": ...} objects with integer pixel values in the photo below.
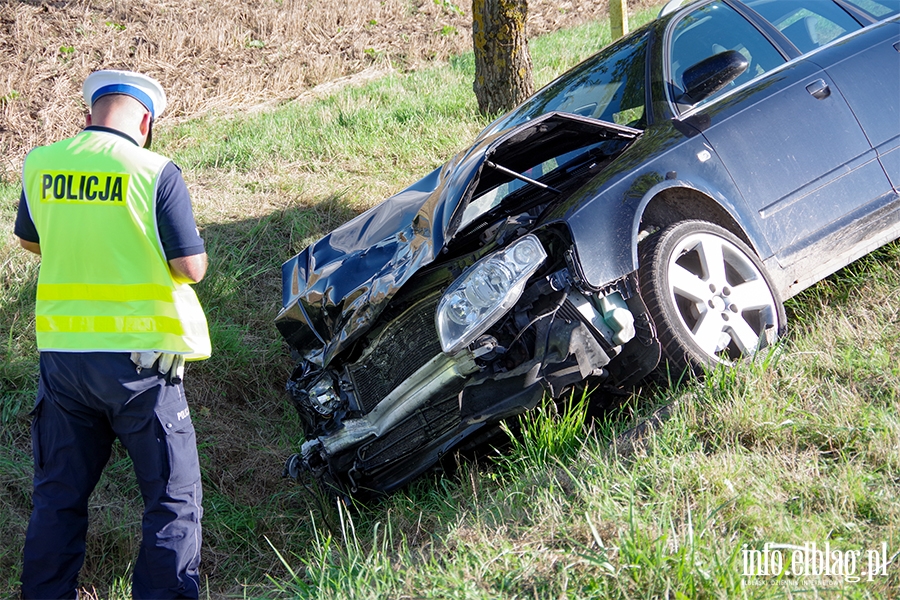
[{"x": 85, "y": 402}]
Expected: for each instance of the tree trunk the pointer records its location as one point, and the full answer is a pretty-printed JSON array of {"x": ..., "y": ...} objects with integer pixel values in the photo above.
[{"x": 502, "y": 62}]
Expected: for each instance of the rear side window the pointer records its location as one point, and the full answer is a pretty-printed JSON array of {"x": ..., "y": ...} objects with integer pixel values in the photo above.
[
  {"x": 877, "y": 9},
  {"x": 808, "y": 24}
]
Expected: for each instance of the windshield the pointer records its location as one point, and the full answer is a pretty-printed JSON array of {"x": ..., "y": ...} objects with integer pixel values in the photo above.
[{"x": 609, "y": 86}]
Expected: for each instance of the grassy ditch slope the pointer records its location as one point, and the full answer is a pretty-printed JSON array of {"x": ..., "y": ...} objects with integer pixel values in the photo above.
[{"x": 797, "y": 447}]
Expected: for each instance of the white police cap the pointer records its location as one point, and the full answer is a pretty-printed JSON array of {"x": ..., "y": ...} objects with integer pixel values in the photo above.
[{"x": 145, "y": 90}]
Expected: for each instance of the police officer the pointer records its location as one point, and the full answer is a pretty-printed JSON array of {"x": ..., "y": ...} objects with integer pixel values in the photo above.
[{"x": 115, "y": 320}]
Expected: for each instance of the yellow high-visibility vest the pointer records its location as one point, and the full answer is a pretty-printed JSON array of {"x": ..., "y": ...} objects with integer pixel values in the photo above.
[{"x": 104, "y": 282}]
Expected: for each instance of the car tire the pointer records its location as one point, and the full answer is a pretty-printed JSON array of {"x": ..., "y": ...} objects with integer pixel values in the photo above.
[{"x": 709, "y": 296}]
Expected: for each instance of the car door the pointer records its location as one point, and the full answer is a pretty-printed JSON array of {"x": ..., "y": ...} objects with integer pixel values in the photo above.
[
  {"x": 866, "y": 70},
  {"x": 789, "y": 141}
]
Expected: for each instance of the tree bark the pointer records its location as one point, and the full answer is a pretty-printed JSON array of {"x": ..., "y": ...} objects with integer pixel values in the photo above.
[{"x": 503, "y": 76}]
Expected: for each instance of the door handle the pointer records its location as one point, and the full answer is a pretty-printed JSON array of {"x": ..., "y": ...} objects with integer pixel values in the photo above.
[{"x": 818, "y": 89}]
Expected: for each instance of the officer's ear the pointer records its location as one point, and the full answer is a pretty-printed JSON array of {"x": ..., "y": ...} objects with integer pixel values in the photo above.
[
  {"x": 146, "y": 129},
  {"x": 87, "y": 119}
]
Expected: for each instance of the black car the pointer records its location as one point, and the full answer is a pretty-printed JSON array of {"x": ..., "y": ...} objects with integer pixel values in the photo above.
[{"x": 649, "y": 209}]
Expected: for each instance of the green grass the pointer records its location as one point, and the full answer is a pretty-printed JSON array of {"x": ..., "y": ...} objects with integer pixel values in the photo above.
[
  {"x": 799, "y": 445},
  {"x": 761, "y": 453}
]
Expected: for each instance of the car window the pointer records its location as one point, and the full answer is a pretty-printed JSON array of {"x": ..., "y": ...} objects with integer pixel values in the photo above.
[
  {"x": 608, "y": 86},
  {"x": 808, "y": 24},
  {"x": 710, "y": 30},
  {"x": 877, "y": 9}
]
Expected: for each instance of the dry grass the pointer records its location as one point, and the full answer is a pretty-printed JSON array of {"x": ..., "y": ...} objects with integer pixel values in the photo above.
[{"x": 217, "y": 55}]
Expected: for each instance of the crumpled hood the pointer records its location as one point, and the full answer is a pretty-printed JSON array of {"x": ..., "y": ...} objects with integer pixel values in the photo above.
[
  {"x": 339, "y": 284},
  {"x": 334, "y": 289}
]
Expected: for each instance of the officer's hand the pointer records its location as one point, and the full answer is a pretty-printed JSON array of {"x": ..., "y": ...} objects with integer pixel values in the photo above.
[
  {"x": 165, "y": 362},
  {"x": 144, "y": 360},
  {"x": 172, "y": 366}
]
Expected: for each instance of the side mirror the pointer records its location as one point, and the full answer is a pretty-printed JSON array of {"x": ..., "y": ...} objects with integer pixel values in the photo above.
[{"x": 712, "y": 74}]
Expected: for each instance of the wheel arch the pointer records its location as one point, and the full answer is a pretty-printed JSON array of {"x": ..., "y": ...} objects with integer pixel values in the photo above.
[
  {"x": 666, "y": 205},
  {"x": 605, "y": 238}
]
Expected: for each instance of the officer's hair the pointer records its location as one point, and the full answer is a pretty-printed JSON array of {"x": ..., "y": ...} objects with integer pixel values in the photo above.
[{"x": 120, "y": 105}]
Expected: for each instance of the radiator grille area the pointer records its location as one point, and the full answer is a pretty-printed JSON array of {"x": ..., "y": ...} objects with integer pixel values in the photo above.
[
  {"x": 425, "y": 425},
  {"x": 404, "y": 346}
]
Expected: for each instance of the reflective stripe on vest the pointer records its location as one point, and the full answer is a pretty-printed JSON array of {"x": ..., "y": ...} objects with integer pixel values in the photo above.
[
  {"x": 74, "y": 324},
  {"x": 110, "y": 292},
  {"x": 104, "y": 281}
]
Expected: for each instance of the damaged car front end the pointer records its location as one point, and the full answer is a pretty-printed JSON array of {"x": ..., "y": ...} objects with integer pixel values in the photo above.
[{"x": 425, "y": 321}]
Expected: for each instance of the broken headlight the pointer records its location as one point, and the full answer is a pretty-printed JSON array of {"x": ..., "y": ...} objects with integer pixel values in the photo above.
[
  {"x": 322, "y": 396},
  {"x": 485, "y": 292}
]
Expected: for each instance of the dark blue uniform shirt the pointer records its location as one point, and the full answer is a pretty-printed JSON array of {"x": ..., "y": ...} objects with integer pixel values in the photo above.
[{"x": 174, "y": 216}]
